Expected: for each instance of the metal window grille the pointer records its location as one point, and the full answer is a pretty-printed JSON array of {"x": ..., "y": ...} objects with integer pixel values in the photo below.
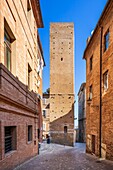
[{"x": 10, "y": 138}]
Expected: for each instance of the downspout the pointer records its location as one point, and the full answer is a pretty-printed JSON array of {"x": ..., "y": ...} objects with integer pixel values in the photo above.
[{"x": 100, "y": 121}]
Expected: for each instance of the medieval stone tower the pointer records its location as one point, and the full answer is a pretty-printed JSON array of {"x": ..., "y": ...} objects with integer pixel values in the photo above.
[{"x": 62, "y": 83}]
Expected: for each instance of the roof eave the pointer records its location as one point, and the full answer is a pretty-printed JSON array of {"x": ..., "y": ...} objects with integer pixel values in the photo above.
[
  {"x": 98, "y": 24},
  {"x": 37, "y": 13}
]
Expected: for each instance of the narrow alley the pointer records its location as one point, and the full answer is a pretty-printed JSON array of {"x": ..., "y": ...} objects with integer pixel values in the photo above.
[{"x": 59, "y": 157}]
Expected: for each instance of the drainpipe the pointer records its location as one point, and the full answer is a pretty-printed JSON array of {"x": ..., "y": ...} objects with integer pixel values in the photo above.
[{"x": 100, "y": 122}]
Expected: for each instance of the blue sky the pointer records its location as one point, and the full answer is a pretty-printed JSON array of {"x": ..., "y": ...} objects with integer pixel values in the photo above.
[{"x": 85, "y": 15}]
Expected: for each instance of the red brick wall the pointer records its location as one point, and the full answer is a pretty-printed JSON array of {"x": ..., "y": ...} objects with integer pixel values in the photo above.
[
  {"x": 18, "y": 107},
  {"x": 93, "y": 78},
  {"x": 24, "y": 149}
]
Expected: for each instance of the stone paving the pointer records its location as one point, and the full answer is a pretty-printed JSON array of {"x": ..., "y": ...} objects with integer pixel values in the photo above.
[{"x": 59, "y": 157}]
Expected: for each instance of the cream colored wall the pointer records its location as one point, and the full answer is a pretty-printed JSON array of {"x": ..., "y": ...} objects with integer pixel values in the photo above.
[{"x": 25, "y": 46}]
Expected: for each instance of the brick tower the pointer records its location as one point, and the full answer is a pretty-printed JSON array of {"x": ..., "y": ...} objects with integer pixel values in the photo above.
[{"x": 62, "y": 83}]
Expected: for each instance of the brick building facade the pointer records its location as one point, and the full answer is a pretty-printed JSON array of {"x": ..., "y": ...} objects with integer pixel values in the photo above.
[
  {"x": 21, "y": 62},
  {"x": 62, "y": 83},
  {"x": 46, "y": 115},
  {"x": 82, "y": 113},
  {"x": 99, "y": 89}
]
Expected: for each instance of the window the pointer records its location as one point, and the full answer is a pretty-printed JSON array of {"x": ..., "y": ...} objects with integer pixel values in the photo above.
[
  {"x": 65, "y": 129},
  {"x": 10, "y": 138},
  {"x": 29, "y": 133},
  {"x": 61, "y": 59},
  {"x": 106, "y": 41},
  {"x": 29, "y": 77},
  {"x": 93, "y": 143},
  {"x": 91, "y": 62},
  {"x": 38, "y": 133},
  {"x": 105, "y": 80},
  {"x": 44, "y": 113},
  {"x": 7, "y": 50},
  {"x": 44, "y": 101},
  {"x": 44, "y": 126},
  {"x": 28, "y": 10},
  {"x": 90, "y": 92}
]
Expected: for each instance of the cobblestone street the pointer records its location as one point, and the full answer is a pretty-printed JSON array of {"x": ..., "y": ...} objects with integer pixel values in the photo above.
[{"x": 58, "y": 157}]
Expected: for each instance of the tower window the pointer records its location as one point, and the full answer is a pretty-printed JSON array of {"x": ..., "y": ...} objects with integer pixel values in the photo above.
[{"x": 65, "y": 129}]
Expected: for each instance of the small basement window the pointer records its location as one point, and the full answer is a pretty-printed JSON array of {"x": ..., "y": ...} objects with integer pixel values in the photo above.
[{"x": 10, "y": 138}]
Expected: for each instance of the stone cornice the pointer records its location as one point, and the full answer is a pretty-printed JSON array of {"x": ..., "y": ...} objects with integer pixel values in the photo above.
[
  {"x": 17, "y": 104},
  {"x": 15, "y": 92}
]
